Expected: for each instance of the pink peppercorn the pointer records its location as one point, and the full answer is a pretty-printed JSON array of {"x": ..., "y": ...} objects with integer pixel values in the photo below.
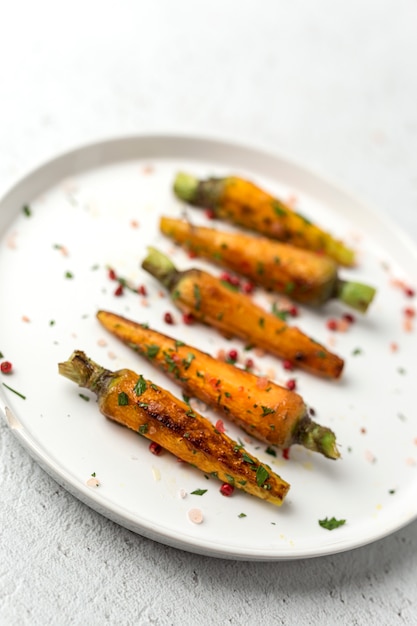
[
  {"x": 233, "y": 355},
  {"x": 288, "y": 365},
  {"x": 6, "y": 367},
  {"x": 348, "y": 317},
  {"x": 291, "y": 384},
  {"x": 112, "y": 274},
  {"x": 248, "y": 288},
  {"x": 293, "y": 311},
  {"x": 409, "y": 292},
  {"x": 210, "y": 214},
  {"x": 226, "y": 490},
  {"x": 409, "y": 312},
  {"x": 155, "y": 448},
  {"x": 286, "y": 453},
  {"x": 168, "y": 318},
  {"x": 249, "y": 364},
  {"x": 188, "y": 318},
  {"x": 142, "y": 290},
  {"x": 118, "y": 291},
  {"x": 331, "y": 324}
]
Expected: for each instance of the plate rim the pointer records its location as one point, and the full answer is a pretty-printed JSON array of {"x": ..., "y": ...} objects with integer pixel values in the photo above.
[{"x": 59, "y": 473}]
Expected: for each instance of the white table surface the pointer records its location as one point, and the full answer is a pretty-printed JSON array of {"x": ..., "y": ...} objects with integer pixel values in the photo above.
[{"x": 332, "y": 86}]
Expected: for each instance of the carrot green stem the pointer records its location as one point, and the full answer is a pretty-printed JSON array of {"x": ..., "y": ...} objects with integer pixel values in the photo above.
[
  {"x": 161, "y": 267},
  {"x": 356, "y": 295},
  {"x": 185, "y": 186},
  {"x": 84, "y": 372},
  {"x": 316, "y": 438}
]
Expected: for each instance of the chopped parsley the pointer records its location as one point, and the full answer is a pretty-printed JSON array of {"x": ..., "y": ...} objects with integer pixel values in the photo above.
[
  {"x": 261, "y": 475},
  {"x": 199, "y": 492},
  {"x": 69, "y": 275},
  {"x": 266, "y": 410},
  {"x": 197, "y": 296},
  {"x": 271, "y": 451},
  {"x": 122, "y": 399},
  {"x": 14, "y": 391},
  {"x": 143, "y": 429},
  {"x": 140, "y": 386},
  {"x": 278, "y": 209},
  {"x": 247, "y": 458},
  {"x": 242, "y": 515},
  {"x": 187, "y": 362},
  {"x": 152, "y": 350},
  {"x": 84, "y": 397},
  {"x": 27, "y": 210},
  {"x": 332, "y": 523}
]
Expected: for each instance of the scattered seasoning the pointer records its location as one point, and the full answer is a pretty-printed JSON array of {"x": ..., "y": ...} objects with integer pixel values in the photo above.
[
  {"x": 249, "y": 364},
  {"x": 93, "y": 481},
  {"x": 84, "y": 397},
  {"x": 286, "y": 454},
  {"x": 261, "y": 475},
  {"x": 266, "y": 410},
  {"x": 123, "y": 399},
  {"x": 291, "y": 384},
  {"x": 356, "y": 351},
  {"x": 69, "y": 275},
  {"x": 168, "y": 318},
  {"x": 199, "y": 492},
  {"x": 247, "y": 459},
  {"x": 27, "y": 210},
  {"x": 188, "y": 318},
  {"x": 271, "y": 451},
  {"x": 331, "y": 324},
  {"x": 195, "y": 516},
  {"x": 220, "y": 426},
  {"x": 232, "y": 356},
  {"x": 140, "y": 386},
  {"x": 242, "y": 515},
  {"x": 248, "y": 288},
  {"x": 155, "y": 448},
  {"x": 227, "y": 490},
  {"x": 332, "y": 523},
  {"x": 391, "y": 491},
  {"x": 6, "y": 367},
  {"x": 143, "y": 429},
  {"x": 14, "y": 391}
]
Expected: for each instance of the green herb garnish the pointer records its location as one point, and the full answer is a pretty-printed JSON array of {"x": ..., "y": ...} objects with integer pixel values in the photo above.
[
  {"x": 332, "y": 523},
  {"x": 261, "y": 475},
  {"x": 123, "y": 399},
  {"x": 199, "y": 492},
  {"x": 140, "y": 386}
]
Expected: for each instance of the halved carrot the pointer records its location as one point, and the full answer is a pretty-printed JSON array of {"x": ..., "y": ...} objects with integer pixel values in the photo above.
[{"x": 133, "y": 401}]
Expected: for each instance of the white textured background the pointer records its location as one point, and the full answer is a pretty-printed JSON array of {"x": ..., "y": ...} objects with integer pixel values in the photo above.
[{"x": 334, "y": 86}]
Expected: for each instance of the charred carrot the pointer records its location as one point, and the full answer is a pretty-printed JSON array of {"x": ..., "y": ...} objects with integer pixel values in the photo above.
[
  {"x": 243, "y": 203},
  {"x": 263, "y": 409},
  {"x": 235, "y": 314},
  {"x": 303, "y": 275},
  {"x": 133, "y": 401}
]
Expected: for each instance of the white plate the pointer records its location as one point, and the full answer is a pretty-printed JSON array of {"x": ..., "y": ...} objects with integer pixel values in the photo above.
[{"x": 102, "y": 203}]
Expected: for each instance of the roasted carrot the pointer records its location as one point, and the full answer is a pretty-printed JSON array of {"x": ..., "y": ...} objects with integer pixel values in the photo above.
[
  {"x": 133, "y": 401},
  {"x": 235, "y": 314},
  {"x": 303, "y": 275},
  {"x": 263, "y": 409},
  {"x": 243, "y": 203}
]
